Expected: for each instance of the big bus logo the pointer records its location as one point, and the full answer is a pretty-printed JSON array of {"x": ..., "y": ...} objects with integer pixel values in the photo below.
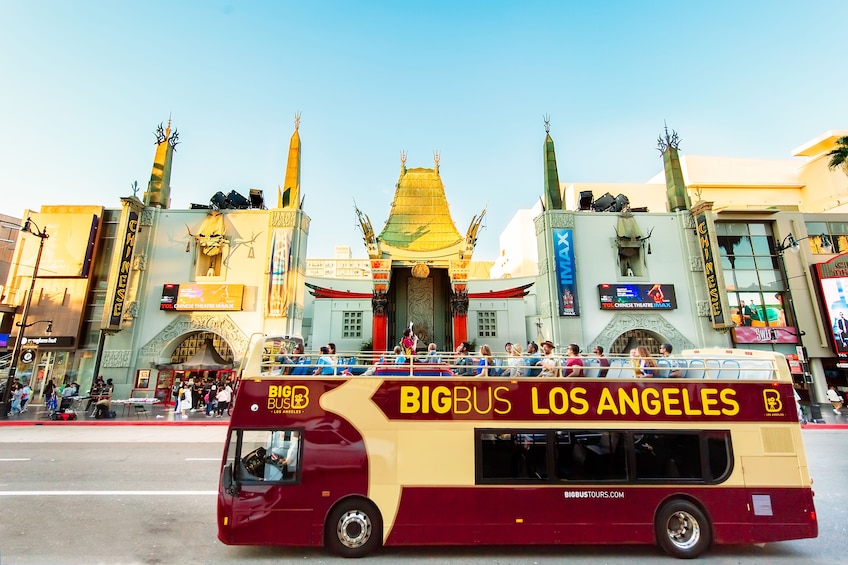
[
  {"x": 288, "y": 398},
  {"x": 771, "y": 399}
]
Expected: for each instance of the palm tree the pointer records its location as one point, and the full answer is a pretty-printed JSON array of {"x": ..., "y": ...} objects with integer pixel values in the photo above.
[{"x": 839, "y": 155}]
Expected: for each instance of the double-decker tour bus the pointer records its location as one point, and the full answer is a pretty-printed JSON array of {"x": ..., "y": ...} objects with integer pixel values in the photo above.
[{"x": 357, "y": 462}]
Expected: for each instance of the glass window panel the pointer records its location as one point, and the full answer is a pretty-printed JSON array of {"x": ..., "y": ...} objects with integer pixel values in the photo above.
[
  {"x": 738, "y": 230},
  {"x": 770, "y": 280},
  {"x": 721, "y": 229},
  {"x": 840, "y": 244},
  {"x": 744, "y": 262},
  {"x": 769, "y": 262},
  {"x": 816, "y": 227},
  {"x": 743, "y": 247},
  {"x": 729, "y": 281},
  {"x": 668, "y": 456},
  {"x": 761, "y": 245},
  {"x": 837, "y": 228},
  {"x": 747, "y": 280},
  {"x": 759, "y": 229}
]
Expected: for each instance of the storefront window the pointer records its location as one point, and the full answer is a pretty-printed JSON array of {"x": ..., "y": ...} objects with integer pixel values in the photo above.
[{"x": 756, "y": 288}]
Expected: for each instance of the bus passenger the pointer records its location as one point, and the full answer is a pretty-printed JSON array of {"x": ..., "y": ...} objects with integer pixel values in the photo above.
[
  {"x": 602, "y": 361},
  {"x": 331, "y": 348},
  {"x": 674, "y": 367},
  {"x": 432, "y": 354},
  {"x": 463, "y": 360},
  {"x": 301, "y": 365},
  {"x": 515, "y": 362},
  {"x": 409, "y": 342},
  {"x": 574, "y": 363},
  {"x": 549, "y": 361},
  {"x": 533, "y": 359},
  {"x": 647, "y": 367},
  {"x": 485, "y": 364},
  {"x": 400, "y": 356},
  {"x": 325, "y": 365}
]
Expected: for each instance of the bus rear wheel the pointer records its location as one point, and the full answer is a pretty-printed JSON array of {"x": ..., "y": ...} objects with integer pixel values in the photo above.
[
  {"x": 354, "y": 528},
  {"x": 682, "y": 529}
]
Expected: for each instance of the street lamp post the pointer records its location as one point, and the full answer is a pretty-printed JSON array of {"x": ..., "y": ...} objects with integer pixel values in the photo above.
[
  {"x": 41, "y": 234},
  {"x": 789, "y": 242}
]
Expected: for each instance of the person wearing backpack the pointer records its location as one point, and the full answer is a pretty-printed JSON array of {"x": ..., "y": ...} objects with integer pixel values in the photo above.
[{"x": 25, "y": 392}]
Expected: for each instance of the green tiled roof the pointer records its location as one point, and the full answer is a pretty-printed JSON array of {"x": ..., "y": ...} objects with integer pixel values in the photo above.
[{"x": 420, "y": 219}]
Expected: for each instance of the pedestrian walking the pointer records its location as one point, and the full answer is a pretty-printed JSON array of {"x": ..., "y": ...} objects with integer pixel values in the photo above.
[{"x": 835, "y": 399}]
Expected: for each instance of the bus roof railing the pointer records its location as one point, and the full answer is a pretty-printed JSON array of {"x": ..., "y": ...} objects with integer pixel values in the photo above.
[{"x": 722, "y": 364}]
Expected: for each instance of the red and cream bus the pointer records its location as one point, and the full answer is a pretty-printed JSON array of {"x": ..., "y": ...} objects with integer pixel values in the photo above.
[{"x": 353, "y": 463}]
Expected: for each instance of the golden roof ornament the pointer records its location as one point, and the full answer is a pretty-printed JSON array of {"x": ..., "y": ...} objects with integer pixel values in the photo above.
[{"x": 420, "y": 271}]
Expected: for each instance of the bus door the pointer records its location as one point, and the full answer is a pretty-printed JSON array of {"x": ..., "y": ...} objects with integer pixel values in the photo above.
[{"x": 259, "y": 487}]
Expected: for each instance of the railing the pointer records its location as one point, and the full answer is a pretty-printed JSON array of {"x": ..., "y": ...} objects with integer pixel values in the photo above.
[{"x": 720, "y": 364}]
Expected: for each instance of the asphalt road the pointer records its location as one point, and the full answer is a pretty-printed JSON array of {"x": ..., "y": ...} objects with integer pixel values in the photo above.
[{"x": 146, "y": 495}]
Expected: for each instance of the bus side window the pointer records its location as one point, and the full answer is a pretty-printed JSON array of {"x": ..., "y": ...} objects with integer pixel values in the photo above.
[
  {"x": 507, "y": 457},
  {"x": 590, "y": 455},
  {"x": 668, "y": 456},
  {"x": 270, "y": 455}
]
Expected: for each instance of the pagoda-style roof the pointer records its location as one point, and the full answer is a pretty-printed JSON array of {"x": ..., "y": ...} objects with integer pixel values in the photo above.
[{"x": 420, "y": 219}]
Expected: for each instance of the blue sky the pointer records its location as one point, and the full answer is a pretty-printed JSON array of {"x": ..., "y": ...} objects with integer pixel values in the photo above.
[{"x": 87, "y": 82}]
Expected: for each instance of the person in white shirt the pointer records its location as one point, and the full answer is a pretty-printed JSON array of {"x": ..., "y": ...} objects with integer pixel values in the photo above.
[{"x": 835, "y": 399}]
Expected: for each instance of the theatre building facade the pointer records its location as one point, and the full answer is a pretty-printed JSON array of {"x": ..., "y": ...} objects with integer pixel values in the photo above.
[{"x": 712, "y": 253}]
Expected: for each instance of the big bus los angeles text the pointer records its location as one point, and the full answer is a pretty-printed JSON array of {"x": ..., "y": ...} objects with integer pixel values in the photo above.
[{"x": 357, "y": 462}]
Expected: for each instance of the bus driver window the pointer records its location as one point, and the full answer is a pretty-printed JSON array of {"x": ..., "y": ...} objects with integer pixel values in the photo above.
[{"x": 272, "y": 455}]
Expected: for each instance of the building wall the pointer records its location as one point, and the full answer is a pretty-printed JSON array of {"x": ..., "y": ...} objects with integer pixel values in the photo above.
[{"x": 672, "y": 262}]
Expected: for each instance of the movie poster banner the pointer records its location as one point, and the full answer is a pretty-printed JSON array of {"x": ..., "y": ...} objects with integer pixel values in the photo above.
[
  {"x": 833, "y": 284},
  {"x": 564, "y": 262},
  {"x": 281, "y": 250}
]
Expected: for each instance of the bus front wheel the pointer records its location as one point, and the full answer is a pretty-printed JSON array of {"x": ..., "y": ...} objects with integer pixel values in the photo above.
[
  {"x": 354, "y": 528},
  {"x": 682, "y": 529}
]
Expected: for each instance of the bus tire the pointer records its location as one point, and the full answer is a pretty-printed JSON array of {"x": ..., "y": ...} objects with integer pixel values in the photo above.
[
  {"x": 354, "y": 528},
  {"x": 682, "y": 529}
]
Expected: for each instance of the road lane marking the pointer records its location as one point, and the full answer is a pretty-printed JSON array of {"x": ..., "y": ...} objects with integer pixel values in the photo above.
[
  {"x": 202, "y": 458},
  {"x": 15, "y": 459},
  {"x": 109, "y": 493}
]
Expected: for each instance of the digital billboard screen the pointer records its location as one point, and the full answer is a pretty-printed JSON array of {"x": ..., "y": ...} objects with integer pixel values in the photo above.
[
  {"x": 833, "y": 287},
  {"x": 195, "y": 296},
  {"x": 637, "y": 297}
]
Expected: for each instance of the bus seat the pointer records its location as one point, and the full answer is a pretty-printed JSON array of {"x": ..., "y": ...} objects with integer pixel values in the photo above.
[
  {"x": 696, "y": 369},
  {"x": 664, "y": 368},
  {"x": 729, "y": 369},
  {"x": 617, "y": 370},
  {"x": 713, "y": 368},
  {"x": 592, "y": 368}
]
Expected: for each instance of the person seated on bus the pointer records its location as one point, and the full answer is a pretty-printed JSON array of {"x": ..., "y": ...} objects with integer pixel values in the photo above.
[
  {"x": 301, "y": 362},
  {"x": 326, "y": 364},
  {"x": 646, "y": 365},
  {"x": 432, "y": 354},
  {"x": 400, "y": 357}
]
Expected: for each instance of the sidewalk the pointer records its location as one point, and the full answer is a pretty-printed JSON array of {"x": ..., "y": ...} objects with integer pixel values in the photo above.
[
  {"x": 831, "y": 420},
  {"x": 154, "y": 415}
]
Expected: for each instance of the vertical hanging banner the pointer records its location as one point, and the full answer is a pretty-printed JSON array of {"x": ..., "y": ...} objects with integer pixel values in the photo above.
[
  {"x": 121, "y": 265},
  {"x": 713, "y": 289},
  {"x": 564, "y": 261},
  {"x": 280, "y": 258}
]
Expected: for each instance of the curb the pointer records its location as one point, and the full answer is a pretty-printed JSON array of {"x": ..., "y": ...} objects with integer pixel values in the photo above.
[{"x": 824, "y": 426}]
